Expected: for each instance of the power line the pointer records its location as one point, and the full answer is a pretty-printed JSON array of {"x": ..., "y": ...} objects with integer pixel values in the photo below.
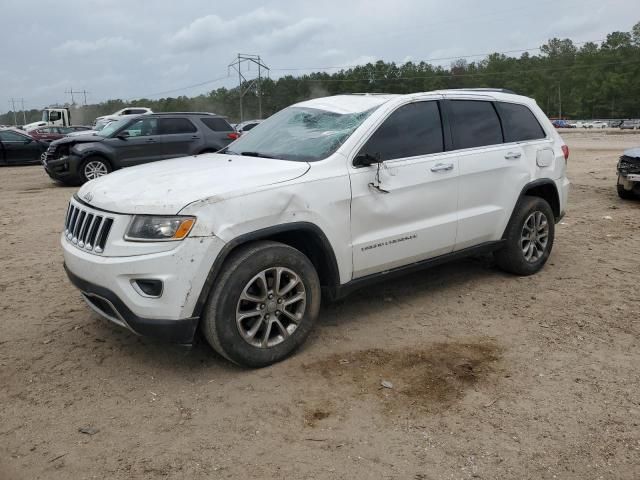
[{"x": 457, "y": 57}]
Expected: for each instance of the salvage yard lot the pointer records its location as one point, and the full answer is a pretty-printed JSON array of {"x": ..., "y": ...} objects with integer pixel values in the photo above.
[{"x": 491, "y": 375}]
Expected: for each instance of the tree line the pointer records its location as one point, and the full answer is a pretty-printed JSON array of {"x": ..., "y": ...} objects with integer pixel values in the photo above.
[{"x": 568, "y": 80}]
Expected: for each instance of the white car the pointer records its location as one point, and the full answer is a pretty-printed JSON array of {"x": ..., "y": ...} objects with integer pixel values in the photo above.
[
  {"x": 598, "y": 124},
  {"x": 125, "y": 112},
  {"x": 325, "y": 196}
]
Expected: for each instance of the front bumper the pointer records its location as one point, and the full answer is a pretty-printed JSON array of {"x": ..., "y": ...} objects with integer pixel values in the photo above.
[
  {"x": 108, "y": 285},
  {"x": 109, "y": 305},
  {"x": 64, "y": 168}
]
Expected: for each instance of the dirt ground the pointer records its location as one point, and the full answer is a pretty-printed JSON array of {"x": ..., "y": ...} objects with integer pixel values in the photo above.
[{"x": 492, "y": 375}]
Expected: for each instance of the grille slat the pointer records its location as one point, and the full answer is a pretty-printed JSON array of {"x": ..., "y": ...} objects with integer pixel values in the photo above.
[{"x": 87, "y": 229}]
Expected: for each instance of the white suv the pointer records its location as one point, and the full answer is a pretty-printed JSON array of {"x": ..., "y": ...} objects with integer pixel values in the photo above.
[{"x": 324, "y": 196}]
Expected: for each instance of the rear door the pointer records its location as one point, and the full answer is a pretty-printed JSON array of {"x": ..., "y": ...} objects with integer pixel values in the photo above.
[
  {"x": 179, "y": 137},
  {"x": 404, "y": 209},
  {"x": 492, "y": 172}
]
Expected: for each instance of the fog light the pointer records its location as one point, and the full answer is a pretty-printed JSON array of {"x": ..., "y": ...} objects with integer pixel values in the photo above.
[{"x": 147, "y": 287}]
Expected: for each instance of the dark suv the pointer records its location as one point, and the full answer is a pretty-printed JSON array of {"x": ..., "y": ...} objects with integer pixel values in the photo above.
[{"x": 132, "y": 141}]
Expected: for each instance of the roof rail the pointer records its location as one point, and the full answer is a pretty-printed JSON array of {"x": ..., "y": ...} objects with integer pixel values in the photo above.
[{"x": 501, "y": 90}]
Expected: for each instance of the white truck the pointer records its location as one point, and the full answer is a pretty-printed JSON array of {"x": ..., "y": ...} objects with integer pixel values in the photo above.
[
  {"x": 320, "y": 199},
  {"x": 52, "y": 116}
]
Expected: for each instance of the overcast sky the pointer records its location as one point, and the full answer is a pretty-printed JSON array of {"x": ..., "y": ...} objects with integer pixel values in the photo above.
[{"x": 130, "y": 49}]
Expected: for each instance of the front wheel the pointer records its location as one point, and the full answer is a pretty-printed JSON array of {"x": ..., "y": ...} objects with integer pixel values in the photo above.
[
  {"x": 624, "y": 193},
  {"x": 263, "y": 304},
  {"x": 94, "y": 167},
  {"x": 528, "y": 237}
]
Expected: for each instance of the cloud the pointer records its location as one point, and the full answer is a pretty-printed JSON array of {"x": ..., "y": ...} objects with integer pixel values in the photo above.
[
  {"x": 290, "y": 37},
  {"x": 206, "y": 32},
  {"x": 270, "y": 30},
  {"x": 83, "y": 47}
]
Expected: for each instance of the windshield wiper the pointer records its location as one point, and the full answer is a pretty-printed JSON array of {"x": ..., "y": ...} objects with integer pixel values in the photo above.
[{"x": 255, "y": 154}]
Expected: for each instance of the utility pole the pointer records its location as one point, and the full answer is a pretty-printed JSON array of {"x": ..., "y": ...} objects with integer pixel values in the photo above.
[
  {"x": 13, "y": 109},
  {"x": 559, "y": 103},
  {"x": 24, "y": 113},
  {"x": 249, "y": 84}
]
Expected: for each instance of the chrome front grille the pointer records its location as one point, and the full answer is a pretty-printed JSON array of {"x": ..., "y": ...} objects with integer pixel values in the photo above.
[{"x": 87, "y": 229}]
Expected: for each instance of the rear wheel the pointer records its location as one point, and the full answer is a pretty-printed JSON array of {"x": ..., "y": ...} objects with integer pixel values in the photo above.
[
  {"x": 94, "y": 167},
  {"x": 263, "y": 304},
  {"x": 528, "y": 238}
]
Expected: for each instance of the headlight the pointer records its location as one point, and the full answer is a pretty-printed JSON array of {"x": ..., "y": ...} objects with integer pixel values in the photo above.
[{"x": 155, "y": 228}]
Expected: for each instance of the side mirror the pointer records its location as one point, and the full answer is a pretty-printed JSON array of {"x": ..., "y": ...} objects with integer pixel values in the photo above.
[
  {"x": 123, "y": 135},
  {"x": 28, "y": 140},
  {"x": 366, "y": 159}
]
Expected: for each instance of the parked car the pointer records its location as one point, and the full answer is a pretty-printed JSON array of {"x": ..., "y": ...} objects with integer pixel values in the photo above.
[
  {"x": 326, "y": 195},
  {"x": 246, "y": 126},
  {"x": 48, "y": 134},
  {"x": 630, "y": 125},
  {"x": 128, "y": 111},
  {"x": 598, "y": 124},
  {"x": 628, "y": 170},
  {"x": 132, "y": 141},
  {"x": 97, "y": 128},
  {"x": 562, "y": 124},
  {"x": 17, "y": 147}
]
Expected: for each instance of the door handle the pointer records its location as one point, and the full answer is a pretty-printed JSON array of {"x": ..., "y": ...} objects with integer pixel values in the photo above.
[
  {"x": 151, "y": 140},
  {"x": 195, "y": 137},
  {"x": 442, "y": 167},
  {"x": 513, "y": 155}
]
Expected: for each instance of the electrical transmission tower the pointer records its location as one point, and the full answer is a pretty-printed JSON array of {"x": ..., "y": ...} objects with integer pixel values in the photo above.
[
  {"x": 71, "y": 92},
  {"x": 245, "y": 85}
]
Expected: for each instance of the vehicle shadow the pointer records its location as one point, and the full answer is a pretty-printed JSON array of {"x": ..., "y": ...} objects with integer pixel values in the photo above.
[{"x": 354, "y": 309}]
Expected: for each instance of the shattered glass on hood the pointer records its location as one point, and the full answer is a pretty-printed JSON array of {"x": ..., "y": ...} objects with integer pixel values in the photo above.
[{"x": 300, "y": 134}]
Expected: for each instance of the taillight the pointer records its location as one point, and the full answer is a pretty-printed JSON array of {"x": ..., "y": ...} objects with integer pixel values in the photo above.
[
  {"x": 233, "y": 135},
  {"x": 565, "y": 151}
]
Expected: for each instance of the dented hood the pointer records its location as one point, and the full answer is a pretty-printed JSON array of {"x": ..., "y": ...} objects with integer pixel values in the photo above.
[{"x": 168, "y": 186}]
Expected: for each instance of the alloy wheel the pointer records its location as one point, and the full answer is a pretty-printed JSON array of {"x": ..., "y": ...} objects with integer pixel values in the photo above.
[
  {"x": 271, "y": 307},
  {"x": 535, "y": 236}
]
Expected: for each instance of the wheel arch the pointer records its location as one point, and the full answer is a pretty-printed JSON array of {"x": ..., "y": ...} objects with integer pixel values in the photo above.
[
  {"x": 303, "y": 236},
  {"x": 544, "y": 188}
]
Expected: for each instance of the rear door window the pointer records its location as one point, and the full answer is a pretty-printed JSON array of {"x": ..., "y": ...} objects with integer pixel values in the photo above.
[
  {"x": 412, "y": 130},
  {"x": 171, "y": 126},
  {"x": 519, "y": 123},
  {"x": 217, "y": 124},
  {"x": 474, "y": 123}
]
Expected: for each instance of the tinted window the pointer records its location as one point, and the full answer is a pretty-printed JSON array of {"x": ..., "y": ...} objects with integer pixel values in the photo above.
[
  {"x": 9, "y": 136},
  {"x": 413, "y": 129},
  {"x": 168, "y": 126},
  {"x": 248, "y": 127},
  {"x": 143, "y": 127},
  {"x": 519, "y": 123},
  {"x": 217, "y": 124},
  {"x": 135, "y": 111},
  {"x": 474, "y": 124}
]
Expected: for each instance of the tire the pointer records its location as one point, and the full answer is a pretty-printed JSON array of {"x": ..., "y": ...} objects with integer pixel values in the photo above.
[
  {"x": 94, "y": 167},
  {"x": 512, "y": 257},
  {"x": 625, "y": 194},
  {"x": 242, "y": 275}
]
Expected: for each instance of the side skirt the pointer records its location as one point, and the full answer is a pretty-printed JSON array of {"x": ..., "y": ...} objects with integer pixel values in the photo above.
[{"x": 342, "y": 291}]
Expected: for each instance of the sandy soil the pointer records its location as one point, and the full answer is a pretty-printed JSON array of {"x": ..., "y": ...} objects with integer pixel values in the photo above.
[{"x": 493, "y": 376}]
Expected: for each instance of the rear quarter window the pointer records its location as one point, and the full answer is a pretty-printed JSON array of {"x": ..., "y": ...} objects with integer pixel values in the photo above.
[
  {"x": 217, "y": 124},
  {"x": 474, "y": 123},
  {"x": 519, "y": 123}
]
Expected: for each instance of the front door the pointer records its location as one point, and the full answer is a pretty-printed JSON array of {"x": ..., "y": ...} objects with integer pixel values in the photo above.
[
  {"x": 404, "y": 209},
  {"x": 19, "y": 148},
  {"x": 142, "y": 145}
]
